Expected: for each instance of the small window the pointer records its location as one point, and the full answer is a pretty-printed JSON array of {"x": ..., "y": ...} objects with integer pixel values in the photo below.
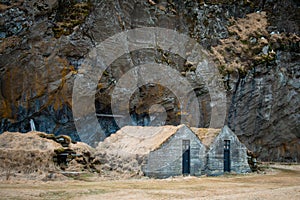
[
  {"x": 185, "y": 145},
  {"x": 226, "y": 144}
]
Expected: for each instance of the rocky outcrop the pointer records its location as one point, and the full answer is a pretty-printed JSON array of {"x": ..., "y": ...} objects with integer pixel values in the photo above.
[
  {"x": 37, "y": 70},
  {"x": 43, "y": 45},
  {"x": 264, "y": 109}
]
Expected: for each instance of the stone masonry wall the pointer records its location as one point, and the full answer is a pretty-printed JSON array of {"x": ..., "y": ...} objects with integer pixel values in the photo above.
[
  {"x": 167, "y": 160},
  {"x": 238, "y": 154}
]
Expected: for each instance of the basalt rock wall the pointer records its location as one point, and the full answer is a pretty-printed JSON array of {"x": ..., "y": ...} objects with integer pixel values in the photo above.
[{"x": 255, "y": 45}]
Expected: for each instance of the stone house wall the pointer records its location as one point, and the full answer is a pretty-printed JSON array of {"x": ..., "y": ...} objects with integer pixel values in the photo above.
[
  {"x": 167, "y": 160},
  {"x": 238, "y": 154}
]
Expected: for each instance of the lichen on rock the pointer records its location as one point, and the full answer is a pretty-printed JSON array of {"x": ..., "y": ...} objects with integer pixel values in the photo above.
[{"x": 69, "y": 15}]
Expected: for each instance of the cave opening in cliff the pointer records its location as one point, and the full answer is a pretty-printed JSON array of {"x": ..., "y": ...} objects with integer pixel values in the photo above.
[
  {"x": 150, "y": 103},
  {"x": 154, "y": 105}
]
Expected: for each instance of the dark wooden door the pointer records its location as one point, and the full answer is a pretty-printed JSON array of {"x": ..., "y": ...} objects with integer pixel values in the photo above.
[
  {"x": 227, "y": 156},
  {"x": 185, "y": 157}
]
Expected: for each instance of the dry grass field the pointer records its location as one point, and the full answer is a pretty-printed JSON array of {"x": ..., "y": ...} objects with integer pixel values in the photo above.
[{"x": 277, "y": 182}]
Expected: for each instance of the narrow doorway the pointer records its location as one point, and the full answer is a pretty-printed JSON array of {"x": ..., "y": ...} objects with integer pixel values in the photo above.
[
  {"x": 185, "y": 157},
  {"x": 226, "y": 155}
]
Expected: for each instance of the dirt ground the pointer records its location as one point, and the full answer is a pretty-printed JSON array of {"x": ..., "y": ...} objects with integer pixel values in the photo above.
[{"x": 276, "y": 182}]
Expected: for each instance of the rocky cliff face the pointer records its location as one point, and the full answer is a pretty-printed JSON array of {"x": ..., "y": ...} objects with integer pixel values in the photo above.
[{"x": 255, "y": 45}]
